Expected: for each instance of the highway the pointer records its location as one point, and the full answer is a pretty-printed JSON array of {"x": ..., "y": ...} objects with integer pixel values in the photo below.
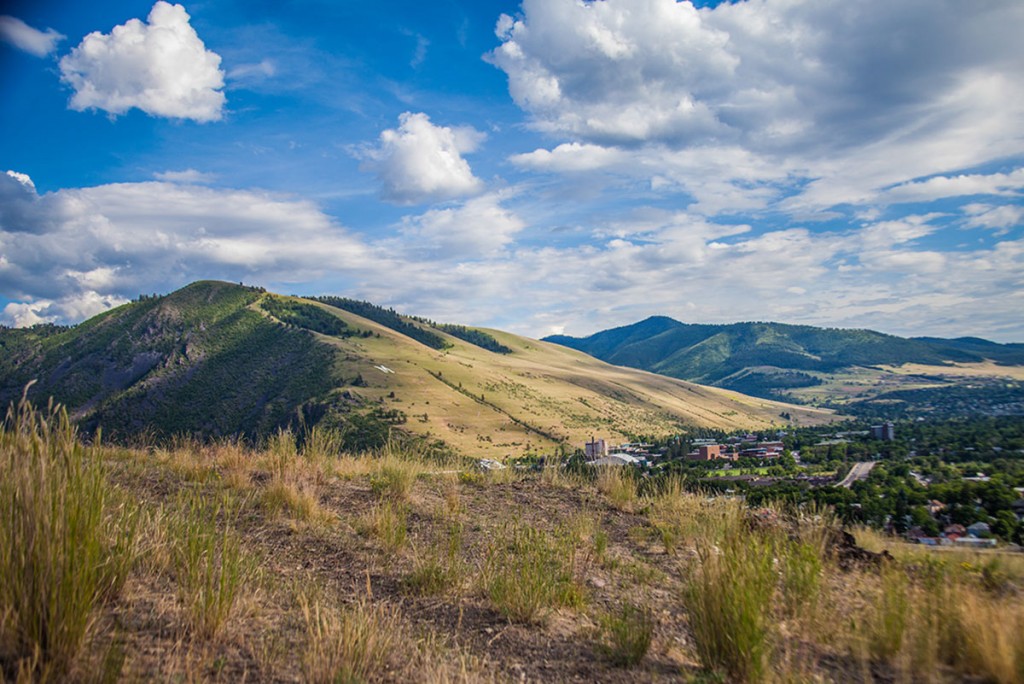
[{"x": 859, "y": 471}]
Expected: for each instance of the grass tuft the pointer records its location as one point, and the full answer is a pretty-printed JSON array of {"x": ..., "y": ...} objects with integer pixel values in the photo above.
[
  {"x": 729, "y": 596},
  {"x": 626, "y": 635},
  {"x": 348, "y": 645},
  {"x": 209, "y": 566},
  {"x": 63, "y": 549},
  {"x": 528, "y": 572}
]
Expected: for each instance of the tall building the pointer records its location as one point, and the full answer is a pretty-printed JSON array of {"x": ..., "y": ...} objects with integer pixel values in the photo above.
[
  {"x": 595, "y": 448},
  {"x": 885, "y": 431}
]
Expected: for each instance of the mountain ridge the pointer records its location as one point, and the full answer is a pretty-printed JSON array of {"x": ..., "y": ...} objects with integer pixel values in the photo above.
[
  {"x": 766, "y": 359},
  {"x": 217, "y": 360}
]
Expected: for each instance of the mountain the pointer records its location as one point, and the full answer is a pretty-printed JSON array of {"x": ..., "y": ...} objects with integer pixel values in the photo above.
[
  {"x": 220, "y": 360},
  {"x": 774, "y": 359}
]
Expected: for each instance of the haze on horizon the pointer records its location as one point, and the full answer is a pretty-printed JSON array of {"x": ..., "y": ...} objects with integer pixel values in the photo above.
[{"x": 543, "y": 166}]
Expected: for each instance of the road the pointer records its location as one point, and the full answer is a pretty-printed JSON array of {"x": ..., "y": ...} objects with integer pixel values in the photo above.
[{"x": 859, "y": 471}]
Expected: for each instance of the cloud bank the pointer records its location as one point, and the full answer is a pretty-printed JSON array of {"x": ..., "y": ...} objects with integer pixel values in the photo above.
[
  {"x": 68, "y": 254},
  {"x": 838, "y": 99}
]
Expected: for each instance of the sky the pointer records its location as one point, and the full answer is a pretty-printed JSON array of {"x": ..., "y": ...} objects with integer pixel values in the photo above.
[{"x": 538, "y": 166}]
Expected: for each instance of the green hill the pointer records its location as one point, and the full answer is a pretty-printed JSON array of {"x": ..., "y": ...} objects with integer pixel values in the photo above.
[
  {"x": 773, "y": 359},
  {"x": 220, "y": 360}
]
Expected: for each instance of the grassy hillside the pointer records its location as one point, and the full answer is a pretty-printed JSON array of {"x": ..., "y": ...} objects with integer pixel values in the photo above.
[
  {"x": 218, "y": 359},
  {"x": 772, "y": 359},
  {"x": 303, "y": 564}
]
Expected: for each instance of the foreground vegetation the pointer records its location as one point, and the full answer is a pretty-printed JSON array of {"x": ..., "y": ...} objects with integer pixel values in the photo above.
[{"x": 302, "y": 563}]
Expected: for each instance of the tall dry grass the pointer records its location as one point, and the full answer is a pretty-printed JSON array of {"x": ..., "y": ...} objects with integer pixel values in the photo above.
[
  {"x": 729, "y": 595},
  {"x": 619, "y": 487},
  {"x": 210, "y": 566},
  {"x": 63, "y": 547}
]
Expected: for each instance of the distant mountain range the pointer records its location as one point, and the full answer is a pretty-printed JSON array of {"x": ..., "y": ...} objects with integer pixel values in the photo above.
[
  {"x": 218, "y": 359},
  {"x": 769, "y": 359}
]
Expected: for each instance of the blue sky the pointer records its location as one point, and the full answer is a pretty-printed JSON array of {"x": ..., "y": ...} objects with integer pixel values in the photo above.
[{"x": 539, "y": 166}]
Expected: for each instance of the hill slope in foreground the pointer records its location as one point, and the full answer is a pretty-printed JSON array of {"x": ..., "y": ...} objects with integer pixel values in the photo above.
[
  {"x": 218, "y": 359},
  {"x": 219, "y": 563},
  {"x": 798, "y": 362}
]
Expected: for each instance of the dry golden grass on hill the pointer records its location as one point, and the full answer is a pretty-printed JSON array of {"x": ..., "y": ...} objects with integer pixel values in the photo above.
[
  {"x": 538, "y": 397},
  {"x": 216, "y": 563}
]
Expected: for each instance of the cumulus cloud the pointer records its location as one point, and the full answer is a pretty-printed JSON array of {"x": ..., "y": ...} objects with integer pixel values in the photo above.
[
  {"x": 844, "y": 100},
  {"x": 420, "y": 161},
  {"x": 160, "y": 66},
  {"x": 24, "y": 37},
  {"x": 478, "y": 228}
]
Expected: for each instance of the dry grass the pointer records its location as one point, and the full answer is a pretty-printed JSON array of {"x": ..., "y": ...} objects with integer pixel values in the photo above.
[
  {"x": 527, "y": 574},
  {"x": 619, "y": 486},
  {"x": 64, "y": 549},
  {"x": 352, "y": 644}
]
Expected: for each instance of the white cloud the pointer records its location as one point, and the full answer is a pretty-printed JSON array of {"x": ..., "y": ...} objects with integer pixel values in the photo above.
[
  {"x": 570, "y": 157},
  {"x": 840, "y": 100},
  {"x": 257, "y": 71},
  {"x": 480, "y": 261},
  {"x": 74, "y": 307},
  {"x": 103, "y": 245},
  {"x": 1000, "y": 218},
  {"x": 940, "y": 187},
  {"x": 31, "y": 40},
  {"x": 190, "y": 176},
  {"x": 478, "y": 228},
  {"x": 419, "y": 161},
  {"x": 161, "y": 67}
]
